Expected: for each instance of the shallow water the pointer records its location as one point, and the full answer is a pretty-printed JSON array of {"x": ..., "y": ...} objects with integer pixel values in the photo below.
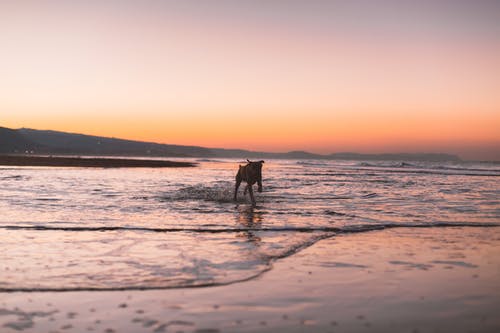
[{"x": 115, "y": 229}]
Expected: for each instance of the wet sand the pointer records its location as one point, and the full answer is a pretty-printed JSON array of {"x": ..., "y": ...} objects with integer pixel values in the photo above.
[
  {"x": 397, "y": 280},
  {"x": 21, "y": 160}
]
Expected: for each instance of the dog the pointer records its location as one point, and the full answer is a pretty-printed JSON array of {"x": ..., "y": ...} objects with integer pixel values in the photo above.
[{"x": 251, "y": 173}]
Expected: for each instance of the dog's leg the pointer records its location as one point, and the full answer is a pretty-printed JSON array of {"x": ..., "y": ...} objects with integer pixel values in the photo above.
[
  {"x": 251, "y": 194},
  {"x": 246, "y": 189},
  {"x": 238, "y": 182}
]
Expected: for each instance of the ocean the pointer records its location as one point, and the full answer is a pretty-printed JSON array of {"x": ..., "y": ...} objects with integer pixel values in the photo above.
[{"x": 71, "y": 229}]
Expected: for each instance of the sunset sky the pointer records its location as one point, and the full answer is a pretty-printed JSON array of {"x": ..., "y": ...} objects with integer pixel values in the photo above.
[{"x": 321, "y": 76}]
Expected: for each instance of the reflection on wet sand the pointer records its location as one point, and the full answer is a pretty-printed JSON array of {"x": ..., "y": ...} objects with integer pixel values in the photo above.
[{"x": 248, "y": 217}]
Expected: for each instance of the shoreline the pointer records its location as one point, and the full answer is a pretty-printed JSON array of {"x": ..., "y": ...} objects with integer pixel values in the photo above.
[
  {"x": 382, "y": 281},
  {"x": 92, "y": 162}
]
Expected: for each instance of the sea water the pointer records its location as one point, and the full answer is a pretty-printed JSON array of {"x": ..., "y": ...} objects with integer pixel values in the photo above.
[{"x": 65, "y": 229}]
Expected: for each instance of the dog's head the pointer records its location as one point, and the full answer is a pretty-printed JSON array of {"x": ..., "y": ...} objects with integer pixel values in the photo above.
[{"x": 256, "y": 165}]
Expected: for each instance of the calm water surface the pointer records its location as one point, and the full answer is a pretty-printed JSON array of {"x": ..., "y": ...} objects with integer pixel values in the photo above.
[{"x": 107, "y": 229}]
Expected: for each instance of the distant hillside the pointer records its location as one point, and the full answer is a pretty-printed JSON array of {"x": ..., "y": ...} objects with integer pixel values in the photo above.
[
  {"x": 61, "y": 143},
  {"x": 11, "y": 141},
  {"x": 79, "y": 144}
]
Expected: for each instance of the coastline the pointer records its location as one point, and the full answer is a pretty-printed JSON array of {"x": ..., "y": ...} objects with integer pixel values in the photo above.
[
  {"x": 404, "y": 280},
  {"x": 93, "y": 162}
]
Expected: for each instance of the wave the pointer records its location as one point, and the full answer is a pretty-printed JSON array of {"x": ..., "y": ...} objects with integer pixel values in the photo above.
[
  {"x": 306, "y": 229},
  {"x": 15, "y": 177},
  {"x": 210, "y": 160},
  {"x": 47, "y": 199},
  {"x": 387, "y": 165},
  {"x": 239, "y": 271},
  {"x": 130, "y": 288},
  {"x": 456, "y": 168},
  {"x": 313, "y": 163},
  {"x": 334, "y": 213},
  {"x": 428, "y": 168}
]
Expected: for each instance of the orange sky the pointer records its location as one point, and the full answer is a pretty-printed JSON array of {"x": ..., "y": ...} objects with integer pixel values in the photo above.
[{"x": 322, "y": 76}]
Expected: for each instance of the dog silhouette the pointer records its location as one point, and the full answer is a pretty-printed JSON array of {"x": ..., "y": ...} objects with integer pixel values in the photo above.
[{"x": 251, "y": 173}]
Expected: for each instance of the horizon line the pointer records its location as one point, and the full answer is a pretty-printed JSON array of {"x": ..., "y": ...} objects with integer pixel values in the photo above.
[{"x": 326, "y": 155}]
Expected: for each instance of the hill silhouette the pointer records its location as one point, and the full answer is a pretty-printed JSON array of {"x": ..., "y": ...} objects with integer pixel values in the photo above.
[
  {"x": 12, "y": 141},
  {"x": 46, "y": 142}
]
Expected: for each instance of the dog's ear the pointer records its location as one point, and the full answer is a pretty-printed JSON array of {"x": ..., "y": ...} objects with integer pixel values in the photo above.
[{"x": 248, "y": 161}]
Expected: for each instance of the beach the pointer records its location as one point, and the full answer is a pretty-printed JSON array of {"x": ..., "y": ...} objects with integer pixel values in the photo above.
[
  {"x": 397, "y": 280},
  {"x": 331, "y": 246}
]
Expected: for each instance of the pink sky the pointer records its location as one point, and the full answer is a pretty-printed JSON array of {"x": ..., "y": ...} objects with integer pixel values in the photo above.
[{"x": 322, "y": 76}]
